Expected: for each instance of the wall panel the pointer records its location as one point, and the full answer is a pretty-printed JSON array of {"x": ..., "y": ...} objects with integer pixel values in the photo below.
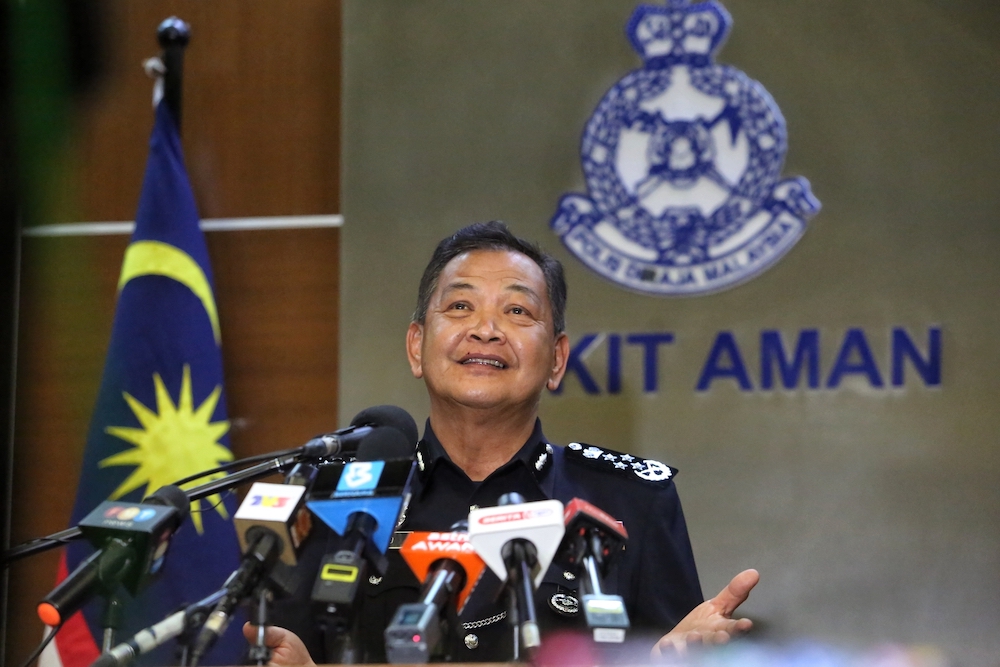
[{"x": 261, "y": 133}]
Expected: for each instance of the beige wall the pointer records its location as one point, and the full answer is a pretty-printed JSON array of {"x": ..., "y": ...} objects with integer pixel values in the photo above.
[{"x": 871, "y": 513}]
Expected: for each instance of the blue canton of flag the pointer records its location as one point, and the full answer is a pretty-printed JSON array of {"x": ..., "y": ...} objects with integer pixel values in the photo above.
[{"x": 161, "y": 411}]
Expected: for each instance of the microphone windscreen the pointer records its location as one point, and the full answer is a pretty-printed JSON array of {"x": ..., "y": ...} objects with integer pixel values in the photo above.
[
  {"x": 383, "y": 444},
  {"x": 171, "y": 496},
  {"x": 388, "y": 415},
  {"x": 511, "y": 498}
]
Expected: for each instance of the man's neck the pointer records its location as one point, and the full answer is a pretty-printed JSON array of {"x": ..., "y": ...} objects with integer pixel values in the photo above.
[{"x": 480, "y": 441}]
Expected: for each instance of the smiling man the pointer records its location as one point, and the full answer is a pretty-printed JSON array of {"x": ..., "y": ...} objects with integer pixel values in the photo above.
[{"x": 487, "y": 337}]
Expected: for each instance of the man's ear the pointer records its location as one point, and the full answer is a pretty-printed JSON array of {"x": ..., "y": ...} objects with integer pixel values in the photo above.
[
  {"x": 559, "y": 360},
  {"x": 414, "y": 343}
]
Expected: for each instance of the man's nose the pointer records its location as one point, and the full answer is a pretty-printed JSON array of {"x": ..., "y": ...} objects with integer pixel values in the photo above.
[{"x": 486, "y": 328}]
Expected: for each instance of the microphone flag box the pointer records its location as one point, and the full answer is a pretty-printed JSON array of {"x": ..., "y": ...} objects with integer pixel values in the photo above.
[
  {"x": 148, "y": 527},
  {"x": 421, "y": 550},
  {"x": 377, "y": 488},
  {"x": 275, "y": 507},
  {"x": 581, "y": 517},
  {"x": 539, "y": 522}
]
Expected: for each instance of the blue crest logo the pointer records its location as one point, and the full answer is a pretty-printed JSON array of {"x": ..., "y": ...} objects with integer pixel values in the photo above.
[{"x": 682, "y": 160}]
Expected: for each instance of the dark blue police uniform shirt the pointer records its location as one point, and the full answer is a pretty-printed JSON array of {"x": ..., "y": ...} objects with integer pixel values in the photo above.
[{"x": 655, "y": 575}]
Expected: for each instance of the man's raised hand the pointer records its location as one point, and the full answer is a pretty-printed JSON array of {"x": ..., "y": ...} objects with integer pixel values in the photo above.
[{"x": 712, "y": 621}]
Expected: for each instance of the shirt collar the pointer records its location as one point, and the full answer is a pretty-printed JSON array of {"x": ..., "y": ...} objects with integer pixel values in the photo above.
[{"x": 535, "y": 454}]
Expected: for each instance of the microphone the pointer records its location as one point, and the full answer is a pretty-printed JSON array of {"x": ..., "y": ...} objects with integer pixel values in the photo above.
[
  {"x": 131, "y": 541},
  {"x": 345, "y": 442},
  {"x": 449, "y": 568},
  {"x": 271, "y": 524},
  {"x": 264, "y": 547},
  {"x": 593, "y": 539},
  {"x": 361, "y": 501},
  {"x": 158, "y": 634},
  {"x": 274, "y": 507},
  {"x": 518, "y": 541}
]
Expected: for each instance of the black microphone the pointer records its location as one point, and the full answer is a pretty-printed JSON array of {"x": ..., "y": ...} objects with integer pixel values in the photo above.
[
  {"x": 363, "y": 508},
  {"x": 345, "y": 442},
  {"x": 361, "y": 501},
  {"x": 272, "y": 523},
  {"x": 264, "y": 547},
  {"x": 131, "y": 541},
  {"x": 518, "y": 540},
  {"x": 592, "y": 541}
]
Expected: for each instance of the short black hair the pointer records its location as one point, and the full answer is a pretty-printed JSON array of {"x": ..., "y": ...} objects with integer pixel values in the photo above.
[{"x": 493, "y": 235}]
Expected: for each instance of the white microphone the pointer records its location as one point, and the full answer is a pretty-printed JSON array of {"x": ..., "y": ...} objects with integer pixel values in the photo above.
[{"x": 518, "y": 541}]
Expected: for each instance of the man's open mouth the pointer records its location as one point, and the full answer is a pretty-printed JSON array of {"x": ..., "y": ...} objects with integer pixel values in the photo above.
[{"x": 496, "y": 363}]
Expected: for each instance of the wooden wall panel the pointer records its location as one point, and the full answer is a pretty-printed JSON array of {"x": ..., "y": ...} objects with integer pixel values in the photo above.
[{"x": 261, "y": 135}]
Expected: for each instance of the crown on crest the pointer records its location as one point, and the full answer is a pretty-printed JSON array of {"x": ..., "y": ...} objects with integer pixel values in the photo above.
[{"x": 679, "y": 32}]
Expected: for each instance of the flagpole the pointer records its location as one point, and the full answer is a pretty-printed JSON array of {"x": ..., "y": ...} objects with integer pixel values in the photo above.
[{"x": 173, "y": 35}]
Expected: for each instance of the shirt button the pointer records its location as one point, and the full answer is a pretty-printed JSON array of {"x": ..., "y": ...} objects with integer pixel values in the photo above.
[
  {"x": 374, "y": 581},
  {"x": 473, "y": 508},
  {"x": 471, "y": 641}
]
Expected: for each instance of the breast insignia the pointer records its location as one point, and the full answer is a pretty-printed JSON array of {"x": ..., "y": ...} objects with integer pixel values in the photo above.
[{"x": 618, "y": 463}]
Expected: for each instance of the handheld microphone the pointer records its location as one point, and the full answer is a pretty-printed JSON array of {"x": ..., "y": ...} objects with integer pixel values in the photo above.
[
  {"x": 593, "y": 539},
  {"x": 265, "y": 545},
  {"x": 449, "y": 568},
  {"x": 131, "y": 541},
  {"x": 518, "y": 541},
  {"x": 345, "y": 442}
]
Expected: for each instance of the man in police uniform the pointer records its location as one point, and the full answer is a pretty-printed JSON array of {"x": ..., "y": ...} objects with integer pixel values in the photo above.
[{"x": 487, "y": 337}]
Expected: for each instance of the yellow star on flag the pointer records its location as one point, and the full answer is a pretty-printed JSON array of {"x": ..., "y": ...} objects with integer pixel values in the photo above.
[{"x": 175, "y": 441}]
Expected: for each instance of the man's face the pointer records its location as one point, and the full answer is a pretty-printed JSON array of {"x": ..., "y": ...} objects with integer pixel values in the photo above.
[{"x": 488, "y": 339}]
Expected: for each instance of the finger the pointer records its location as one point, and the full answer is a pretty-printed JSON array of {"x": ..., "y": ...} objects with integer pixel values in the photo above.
[
  {"x": 715, "y": 638},
  {"x": 272, "y": 635},
  {"x": 736, "y": 592}
]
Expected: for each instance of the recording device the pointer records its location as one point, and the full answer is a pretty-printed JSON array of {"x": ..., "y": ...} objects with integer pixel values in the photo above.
[
  {"x": 449, "y": 568},
  {"x": 344, "y": 443},
  {"x": 518, "y": 541},
  {"x": 131, "y": 541},
  {"x": 361, "y": 502},
  {"x": 593, "y": 539}
]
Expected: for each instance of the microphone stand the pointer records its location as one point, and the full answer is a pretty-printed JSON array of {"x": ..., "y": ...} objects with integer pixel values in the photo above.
[
  {"x": 111, "y": 620},
  {"x": 253, "y": 473},
  {"x": 259, "y": 653}
]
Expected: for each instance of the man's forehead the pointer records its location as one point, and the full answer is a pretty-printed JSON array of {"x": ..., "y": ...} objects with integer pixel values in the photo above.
[{"x": 514, "y": 269}]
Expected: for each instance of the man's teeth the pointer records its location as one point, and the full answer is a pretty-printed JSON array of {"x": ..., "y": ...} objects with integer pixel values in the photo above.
[{"x": 485, "y": 362}]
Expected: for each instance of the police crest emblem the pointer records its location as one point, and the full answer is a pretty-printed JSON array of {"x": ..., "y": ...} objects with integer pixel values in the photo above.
[{"x": 682, "y": 160}]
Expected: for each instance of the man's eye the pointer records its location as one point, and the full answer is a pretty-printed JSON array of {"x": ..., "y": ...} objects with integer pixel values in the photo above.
[
  {"x": 517, "y": 310},
  {"x": 459, "y": 306}
]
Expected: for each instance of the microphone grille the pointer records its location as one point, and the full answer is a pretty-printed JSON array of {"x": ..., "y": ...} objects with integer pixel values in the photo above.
[
  {"x": 384, "y": 443},
  {"x": 388, "y": 415},
  {"x": 171, "y": 496},
  {"x": 512, "y": 498}
]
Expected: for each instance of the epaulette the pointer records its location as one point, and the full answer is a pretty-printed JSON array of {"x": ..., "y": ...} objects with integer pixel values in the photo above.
[{"x": 616, "y": 462}]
